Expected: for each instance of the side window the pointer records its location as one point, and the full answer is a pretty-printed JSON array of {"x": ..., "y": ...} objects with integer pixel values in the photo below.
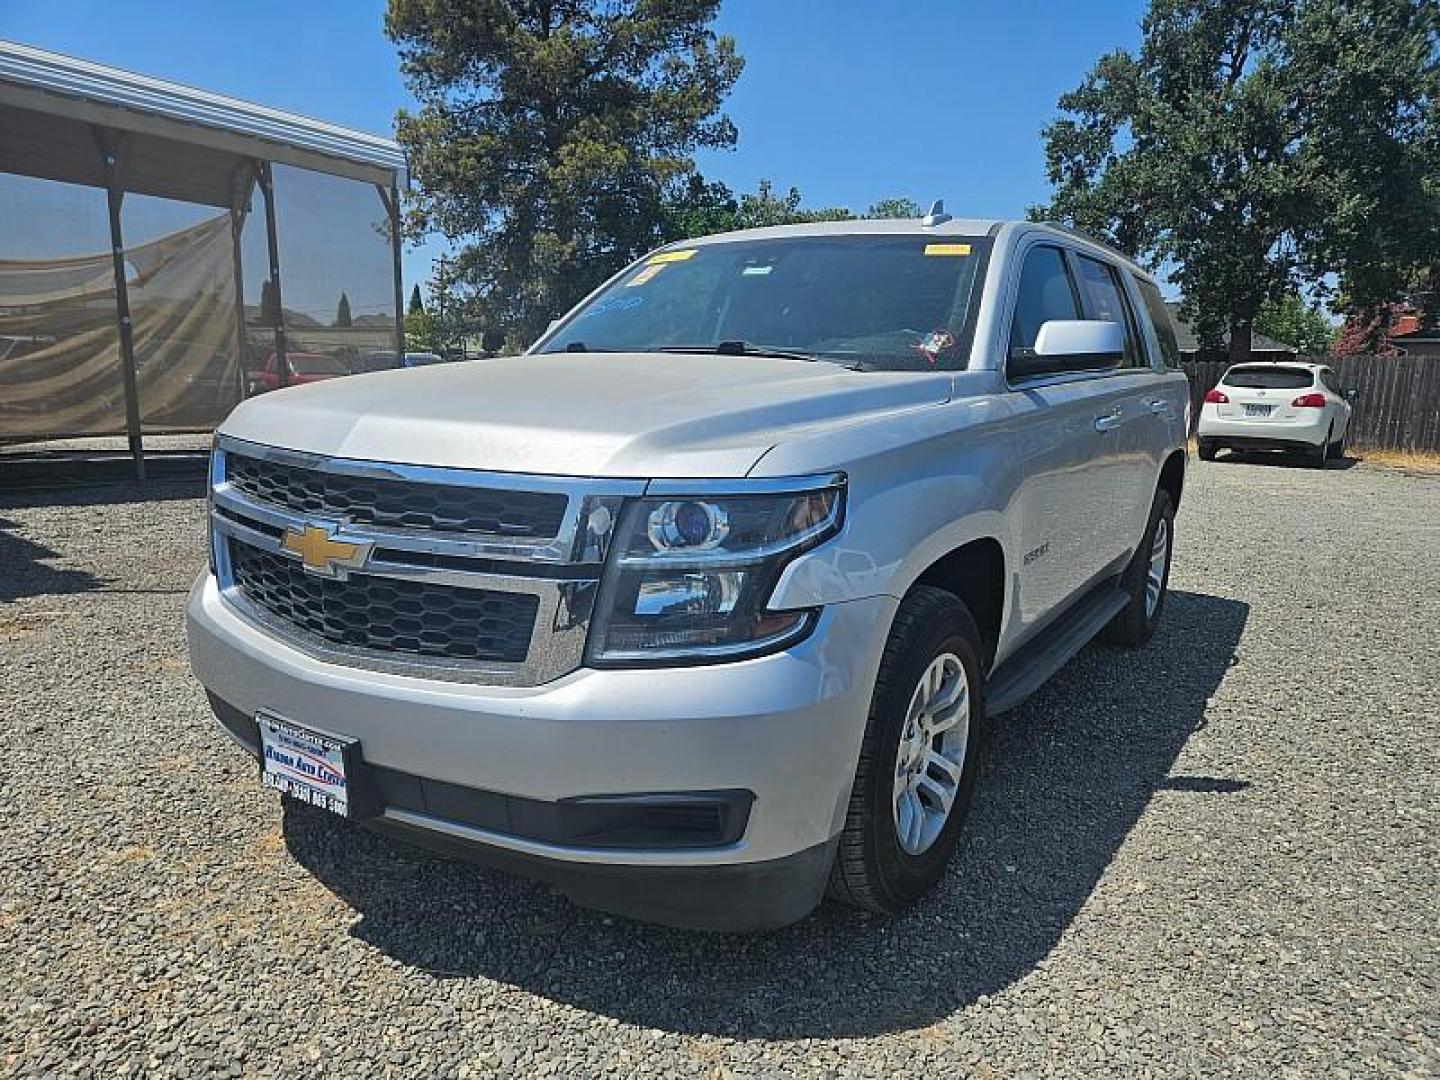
[
  {"x": 1105, "y": 299},
  {"x": 1160, "y": 318},
  {"x": 1331, "y": 382},
  {"x": 1045, "y": 293}
]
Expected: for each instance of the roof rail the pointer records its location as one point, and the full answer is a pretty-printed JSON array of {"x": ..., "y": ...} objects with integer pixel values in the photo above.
[{"x": 1070, "y": 230}]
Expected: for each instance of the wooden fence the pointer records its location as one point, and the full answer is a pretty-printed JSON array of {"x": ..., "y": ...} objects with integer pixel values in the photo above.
[{"x": 1397, "y": 407}]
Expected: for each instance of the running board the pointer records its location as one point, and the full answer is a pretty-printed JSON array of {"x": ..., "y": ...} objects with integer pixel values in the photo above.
[{"x": 1025, "y": 672}]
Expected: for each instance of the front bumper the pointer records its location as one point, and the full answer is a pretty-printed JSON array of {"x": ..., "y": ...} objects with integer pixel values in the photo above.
[{"x": 784, "y": 729}]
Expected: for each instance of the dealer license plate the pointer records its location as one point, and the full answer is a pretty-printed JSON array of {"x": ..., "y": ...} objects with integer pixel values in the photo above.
[
  {"x": 1257, "y": 410},
  {"x": 304, "y": 764}
]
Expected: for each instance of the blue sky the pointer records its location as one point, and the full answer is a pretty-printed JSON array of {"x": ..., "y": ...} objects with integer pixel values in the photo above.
[{"x": 848, "y": 100}]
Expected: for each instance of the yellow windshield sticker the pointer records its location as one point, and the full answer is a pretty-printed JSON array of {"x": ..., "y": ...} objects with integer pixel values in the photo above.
[
  {"x": 947, "y": 249},
  {"x": 671, "y": 256},
  {"x": 645, "y": 274}
]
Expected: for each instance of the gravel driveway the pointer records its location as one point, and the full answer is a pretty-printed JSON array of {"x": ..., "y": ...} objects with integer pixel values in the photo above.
[{"x": 1218, "y": 855}]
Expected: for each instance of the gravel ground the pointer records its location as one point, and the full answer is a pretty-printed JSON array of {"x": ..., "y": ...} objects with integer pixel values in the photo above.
[{"x": 1218, "y": 855}]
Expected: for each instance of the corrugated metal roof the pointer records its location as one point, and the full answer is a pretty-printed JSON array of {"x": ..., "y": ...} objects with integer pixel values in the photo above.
[{"x": 67, "y": 76}]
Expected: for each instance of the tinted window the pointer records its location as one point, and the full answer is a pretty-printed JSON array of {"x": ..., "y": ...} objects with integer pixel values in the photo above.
[
  {"x": 1105, "y": 299},
  {"x": 1045, "y": 293},
  {"x": 1332, "y": 383},
  {"x": 894, "y": 303},
  {"x": 1160, "y": 318},
  {"x": 1269, "y": 377}
]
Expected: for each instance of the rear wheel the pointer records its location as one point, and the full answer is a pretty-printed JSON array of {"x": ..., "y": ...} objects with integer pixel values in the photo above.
[
  {"x": 919, "y": 757},
  {"x": 1207, "y": 449},
  {"x": 1336, "y": 450},
  {"x": 1147, "y": 579},
  {"x": 1317, "y": 455}
]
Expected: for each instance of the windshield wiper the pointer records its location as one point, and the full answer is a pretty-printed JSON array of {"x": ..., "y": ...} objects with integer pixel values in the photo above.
[{"x": 739, "y": 348}]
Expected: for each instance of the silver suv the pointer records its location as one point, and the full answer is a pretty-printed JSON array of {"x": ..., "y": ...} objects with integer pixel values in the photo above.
[{"x": 701, "y": 605}]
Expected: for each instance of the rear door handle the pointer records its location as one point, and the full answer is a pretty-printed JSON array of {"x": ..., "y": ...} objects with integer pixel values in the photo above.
[
  {"x": 1159, "y": 405},
  {"x": 1110, "y": 421}
]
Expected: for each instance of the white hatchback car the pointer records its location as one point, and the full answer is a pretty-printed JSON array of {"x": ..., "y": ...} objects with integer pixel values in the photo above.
[{"x": 1276, "y": 406}]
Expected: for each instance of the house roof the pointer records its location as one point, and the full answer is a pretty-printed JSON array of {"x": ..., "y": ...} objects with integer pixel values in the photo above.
[{"x": 1190, "y": 342}]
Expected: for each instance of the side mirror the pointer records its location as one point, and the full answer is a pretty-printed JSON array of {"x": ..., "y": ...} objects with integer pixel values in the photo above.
[
  {"x": 1350, "y": 393},
  {"x": 1071, "y": 345}
]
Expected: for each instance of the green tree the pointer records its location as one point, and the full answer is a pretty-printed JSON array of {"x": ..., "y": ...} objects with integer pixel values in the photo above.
[
  {"x": 894, "y": 208},
  {"x": 417, "y": 303},
  {"x": 1247, "y": 143},
  {"x": 548, "y": 134},
  {"x": 1292, "y": 321},
  {"x": 419, "y": 331},
  {"x": 342, "y": 312}
]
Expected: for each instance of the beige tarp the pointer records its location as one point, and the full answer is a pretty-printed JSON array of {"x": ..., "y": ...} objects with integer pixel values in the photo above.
[{"x": 59, "y": 338}]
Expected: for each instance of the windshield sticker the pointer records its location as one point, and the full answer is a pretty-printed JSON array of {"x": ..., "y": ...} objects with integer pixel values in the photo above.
[
  {"x": 947, "y": 249},
  {"x": 747, "y": 271},
  {"x": 611, "y": 303},
  {"x": 671, "y": 256},
  {"x": 645, "y": 274},
  {"x": 934, "y": 343}
]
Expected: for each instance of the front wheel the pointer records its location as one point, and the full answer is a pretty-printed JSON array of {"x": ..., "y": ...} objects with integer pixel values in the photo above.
[
  {"x": 919, "y": 757},
  {"x": 1147, "y": 579}
]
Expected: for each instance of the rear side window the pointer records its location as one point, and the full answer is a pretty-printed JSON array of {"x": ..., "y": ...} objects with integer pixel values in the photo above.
[
  {"x": 1160, "y": 318},
  {"x": 1267, "y": 377},
  {"x": 1105, "y": 299}
]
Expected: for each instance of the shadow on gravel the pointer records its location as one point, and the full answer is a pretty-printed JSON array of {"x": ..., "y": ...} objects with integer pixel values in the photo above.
[
  {"x": 23, "y": 571},
  {"x": 1065, "y": 779},
  {"x": 1284, "y": 460},
  {"x": 92, "y": 493}
]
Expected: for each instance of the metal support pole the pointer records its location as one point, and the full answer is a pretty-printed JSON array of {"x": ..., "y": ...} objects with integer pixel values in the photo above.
[
  {"x": 267, "y": 189},
  {"x": 391, "y": 199},
  {"x": 239, "y": 209},
  {"x": 110, "y": 149}
]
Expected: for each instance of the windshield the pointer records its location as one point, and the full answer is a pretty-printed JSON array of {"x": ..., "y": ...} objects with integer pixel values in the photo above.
[
  {"x": 1269, "y": 378},
  {"x": 877, "y": 302}
]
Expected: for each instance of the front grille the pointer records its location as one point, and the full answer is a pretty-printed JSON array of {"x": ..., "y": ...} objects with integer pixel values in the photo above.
[
  {"x": 398, "y": 503},
  {"x": 389, "y": 614}
]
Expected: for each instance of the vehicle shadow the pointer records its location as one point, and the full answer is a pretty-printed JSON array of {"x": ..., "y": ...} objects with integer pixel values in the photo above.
[
  {"x": 25, "y": 572},
  {"x": 1065, "y": 778},
  {"x": 1284, "y": 460}
]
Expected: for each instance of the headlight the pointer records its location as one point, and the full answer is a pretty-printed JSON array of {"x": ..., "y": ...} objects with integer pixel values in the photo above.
[{"x": 690, "y": 573}]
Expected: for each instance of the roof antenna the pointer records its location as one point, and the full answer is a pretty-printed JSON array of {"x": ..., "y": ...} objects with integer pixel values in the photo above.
[{"x": 936, "y": 216}]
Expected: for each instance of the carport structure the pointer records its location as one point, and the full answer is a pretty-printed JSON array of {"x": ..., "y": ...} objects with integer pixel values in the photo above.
[{"x": 143, "y": 287}]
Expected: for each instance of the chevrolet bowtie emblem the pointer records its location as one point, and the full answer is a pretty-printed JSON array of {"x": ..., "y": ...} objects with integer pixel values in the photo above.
[{"x": 321, "y": 553}]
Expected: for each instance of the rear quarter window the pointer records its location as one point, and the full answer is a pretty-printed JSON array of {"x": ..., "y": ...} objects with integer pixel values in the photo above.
[
  {"x": 1160, "y": 319},
  {"x": 1269, "y": 378}
]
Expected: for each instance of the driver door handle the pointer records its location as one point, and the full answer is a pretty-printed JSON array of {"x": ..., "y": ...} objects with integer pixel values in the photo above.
[
  {"x": 1159, "y": 405},
  {"x": 1110, "y": 421}
]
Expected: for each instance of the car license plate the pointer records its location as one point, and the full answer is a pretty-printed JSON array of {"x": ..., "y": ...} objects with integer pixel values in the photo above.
[
  {"x": 304, "y": 764},
  {"x": 1257, "y": 410}
]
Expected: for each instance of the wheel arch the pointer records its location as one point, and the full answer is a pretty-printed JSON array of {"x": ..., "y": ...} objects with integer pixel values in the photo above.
[
  {"x": 1172, "y": 477},
  {"x": 975, "y": 572}
]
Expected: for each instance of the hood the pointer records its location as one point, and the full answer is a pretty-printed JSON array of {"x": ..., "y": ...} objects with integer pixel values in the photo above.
[{"x": 580, "y": 414}]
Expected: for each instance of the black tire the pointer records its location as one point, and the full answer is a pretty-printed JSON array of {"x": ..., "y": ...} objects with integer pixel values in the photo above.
[
  {"x": 1207, "y": 450},
  {"x": 871, "y": 868},
  {"x": 1336, "y": 450},
  {"x": 1136, "y": 622}
]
